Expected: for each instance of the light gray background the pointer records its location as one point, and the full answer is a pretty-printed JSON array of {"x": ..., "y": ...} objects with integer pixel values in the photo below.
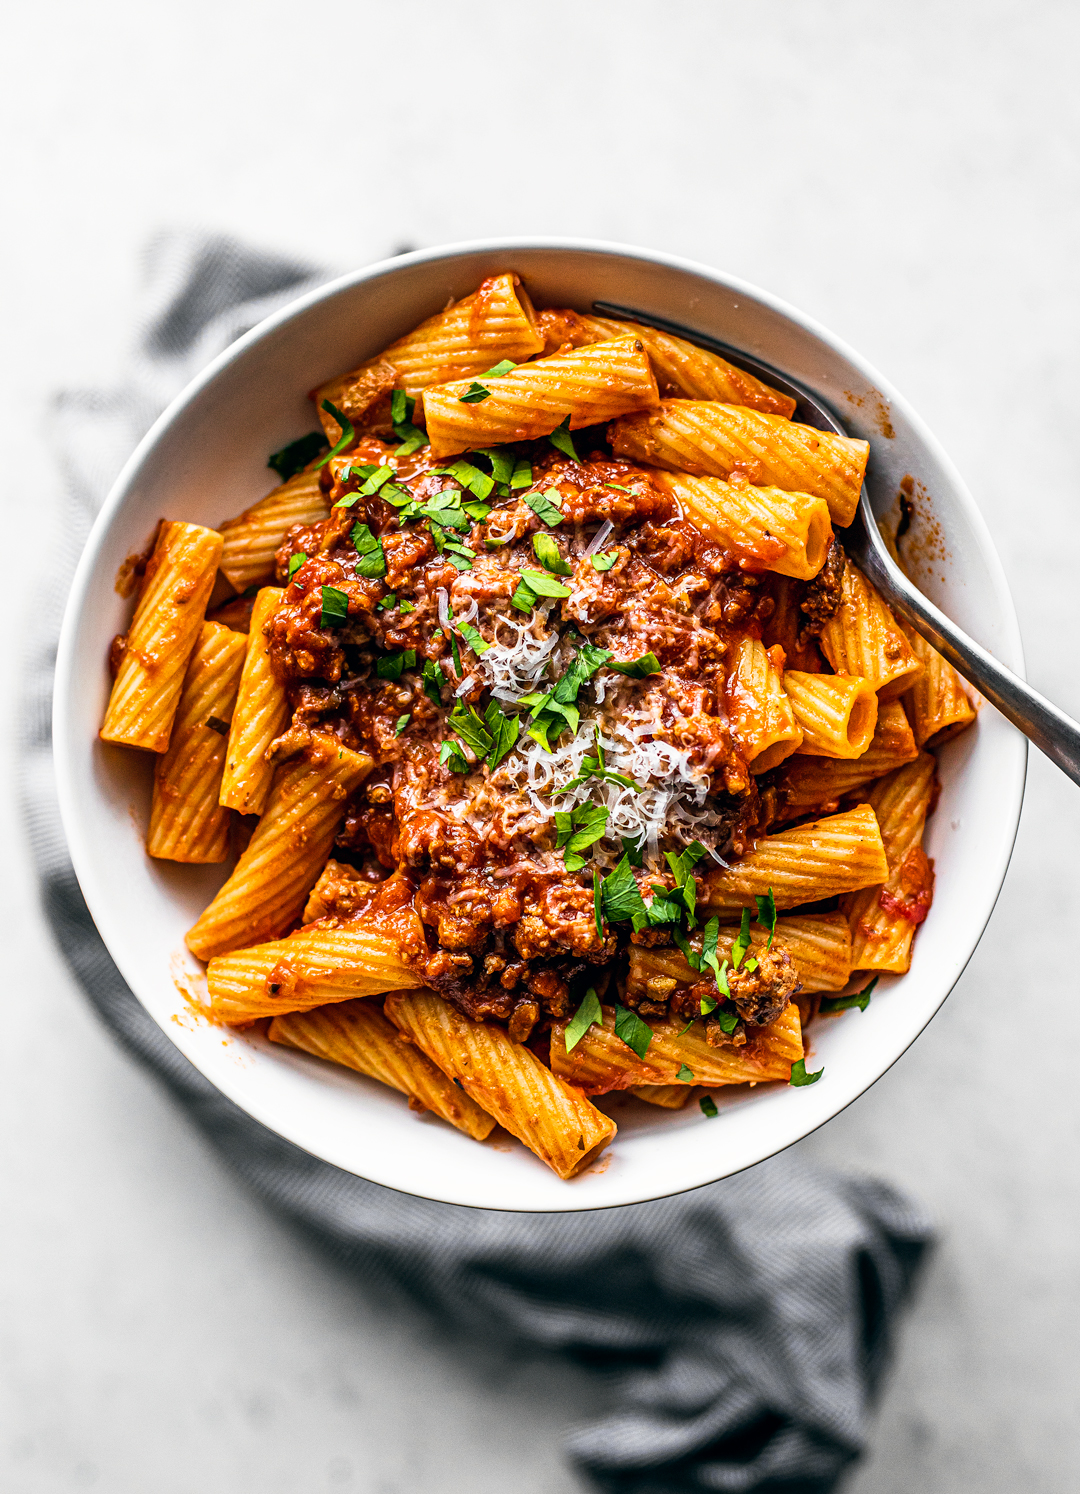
[{"x": 906, "y": 173}]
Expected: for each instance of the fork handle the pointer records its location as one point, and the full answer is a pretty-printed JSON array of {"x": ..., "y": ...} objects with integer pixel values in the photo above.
[{"x": 1054, "y": 733}]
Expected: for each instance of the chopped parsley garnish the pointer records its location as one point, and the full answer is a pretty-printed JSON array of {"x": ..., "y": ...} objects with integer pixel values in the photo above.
[
  {"x": 505, "y": 366},
  {"x": 502, "y": 464},
  {"x": 742, "y": 944},
  {"x": 372, "y": 479},
  {"x": 546, "y": 508},
  {"x": 524, "y": 598},
  {"x": 563, "y": 441},
  {"x": 405, "y": 606},
  {"x": 637, "y": 669},
  {"x": 372, "y": 559},
  {"x": 577, "y": 830},
  {"x": 603, "y": 560},
  {"x": 708, "y": 1106},
  {"x": 550, "y": 557},
  {"x": 455, "y": 653},
  {"x": 685, "y": 1074},
  {"x": 401, "y": 414},
  {"x": 634, "y": 1032},
  {"x": 672, "y": 904},
  {"x": 543, "y": 585},
  {"x": 474, "y": 394},
  {"x": 632, "y": 850},
  {"x": 473, "y": 638},
  {"x": 861, "y": 999},
  {"x": 388, "y": 603},
  {"x": 432, "y": 679},
  {"x": 335, "y": 607},
  {"x": 478, "y": 483},
  {"x": 347, "y": 434},
  {"x": 491, "y": 736},
  {"x": 389, "y": 667},
  {"x": 621, "y": 898},
  {"x": 597, "y": 898},
  {"x": 620, "y": 487},
  {"x": 402, "y": 723},
  {"x": 728, "y": 1020},
  {"x": 294, "y": 458},
  {"x": 215, "y": 723},
  {"x": 459, "y": 556},
  {"x": 504, "y": 731},
  {"x": 450, "y": 755},
  {"x": 595, "y": 767},
  {"x": 522, "y": 478},
  {"x": 799, "y": 1076},
  {"x": 766, "y": 913},
  {"x": 469, "y": 725},
  {"x": 587, "y": 1015},
  {"x": 295, "y": 562}
]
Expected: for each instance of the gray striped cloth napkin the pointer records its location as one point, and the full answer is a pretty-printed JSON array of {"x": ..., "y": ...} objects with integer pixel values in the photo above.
[{"x": 743, "y": 1327}]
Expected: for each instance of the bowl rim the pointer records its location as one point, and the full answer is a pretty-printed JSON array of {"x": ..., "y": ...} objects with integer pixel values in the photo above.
[{"x": 1008, "y": 808}]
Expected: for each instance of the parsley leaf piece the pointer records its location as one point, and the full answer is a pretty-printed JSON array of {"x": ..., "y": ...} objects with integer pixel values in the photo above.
[
  {"x": 545, "y": 508},
  {"x": 722, "y": 981},
  {"x": 401, "y": 407},
  {"x": 766, "y": 913},
  {"x": 708, "y": 1106},
  {"x": 633, "y": 851},
  {"x": 504, "y": 730},
  {"x": 412, "y": 439},
  {"x": 474, "y": 395},
  {"x": 597, "y": 902},
  {"x": 587, "y": 1015},
  {"x": 295, "y": 562},
  {"x": 586, "y": 826},
  {"x": 478, "y": 483},
  {"x": 707, "y": 959},
  {"x": 562, "y": 440},
  {"x": 524, "y": 598},
  {"x": 620, "y": 487},
  {"x": 502, "y": 464},
  {"x": 432, "y": 677},
  {"x": 682, "y": 865},
  {"x": 603, "y": 560},
  {"x": 335, "y": 607},
  {"x": 685, "y": 1074},
  {"x": 477, "y": 510},
  {"x": 347, "y": 434},
  {"x": 522, "y": 478},
  {"x": 469, "y": 725},
  {"x": 742, "y": 943},
  {"x": 370, "y": 550},
  {"x": 504, "y": 366},
  {"x": 708, "y": 1004},
  {"x": 473, "y": 638},
  {"x": 405, "y": 606},
  {"x": 294, "y": 458},
  {"x": 637, "y": 669},
  {"x": 402, "y": 723},
  {"x": 548, "y": 554},
  {"x": 457, "y": 559},
  {"x": 455, "y": 653},
  {"x": 622, "y": 899},
  {"x": 861, "y": 999},
  {"x": 451, "y": 756},
  {"x": 389, "y": 667},
  {"x": 543, "y": 585},
  {"x": 635, "y": 1033},
  {"x": 388, "y": 603},
  {"x": 689, "y": 953},
  {"x": 728, "y": 1020},
  {"x": 799, "y": 1076}
]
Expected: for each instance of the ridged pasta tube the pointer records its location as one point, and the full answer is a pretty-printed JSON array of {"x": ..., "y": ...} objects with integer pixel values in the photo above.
[
  {"x": 357, "y": 1035},
  {"x": 839, "y": 854},
  {"x": 765, "y": 528},
  {"x": 681, "y": 367},
  {"x": 506, "y": 1079},
  {"x": 253, "y": 537},
  {"x": 884, "y": 918},
  {"x": 260, "y": 715},
  {"x": 939, "y": 705},
  {"x": 818, "y": 945},
  {"x": 862, "y": 637},
  {"x": 322, "y": 963},
  {"x": 164, "y": 631},
  {"x": 818, "y": 783},
  {"x": 762, "y": 720},
  {"x": 267, "y": 891},
  {"x": 588, "y": 386},
  {"x": 716, "y": 440},
  {"x": 837, "y": 712},
  {"x": 601, "y": 1061},
  {"x": 186, "y": 821},
  {"x": 496, "y": 322},
  {"x": 666, "y": 1096}
]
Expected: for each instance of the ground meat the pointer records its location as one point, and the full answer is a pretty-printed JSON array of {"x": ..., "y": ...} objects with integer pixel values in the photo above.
[
  {"x": 761, "y": 994},
  {"x": 823, "y": 595}
]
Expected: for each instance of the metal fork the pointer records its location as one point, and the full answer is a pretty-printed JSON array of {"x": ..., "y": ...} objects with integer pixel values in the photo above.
[{"x": 1041, "y": 722}]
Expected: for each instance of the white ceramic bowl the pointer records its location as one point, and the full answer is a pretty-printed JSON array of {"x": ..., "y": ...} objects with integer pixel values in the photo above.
[{"x": 205, "y": 460}]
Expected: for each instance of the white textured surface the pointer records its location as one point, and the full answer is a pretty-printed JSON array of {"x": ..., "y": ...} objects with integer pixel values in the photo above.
[{"x": 904, "y": 173}]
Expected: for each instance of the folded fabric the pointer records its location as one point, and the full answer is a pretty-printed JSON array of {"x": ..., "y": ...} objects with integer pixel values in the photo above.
[{"x": 747, "y": 1323}]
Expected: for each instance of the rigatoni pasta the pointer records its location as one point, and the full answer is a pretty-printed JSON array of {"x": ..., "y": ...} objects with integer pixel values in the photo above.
[{"x": 560, "y": 719}]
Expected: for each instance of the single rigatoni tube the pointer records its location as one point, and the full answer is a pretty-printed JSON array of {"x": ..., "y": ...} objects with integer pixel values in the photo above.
[
  {"x": 838, "y": 854},
  {"x": 819, "y": 783},
  {"x": 164, "y": 631},
  {"x": 863, "y": 638},
  {"x": 506, "y": 1079},
  {"x": 939, "y": 705},
  {"x": 788, "y": 533},
  {"x": 262, "y": 710},
  {"x": 837, "y": 712},
  {"x": 252, "y": 539},
  {"x": 762, "y": 720},
  {"x": 884, "y": 918},
  {"x": 587, "y": 386},
  {"x": 357, "y": 1035},
  {"x": 321, "y": 963},
  {"x": 667, "y": 1096},
  {"x": 818, "y": 945},
  {"x": 267, "y": 891},
  {"x": 601, "y": 1061},
  {"x": 186, "y": 821},
  {"x": 494, "y": 324},
  {"x": 681, "y": 367},
  {"x": 712, "y": 439}
]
